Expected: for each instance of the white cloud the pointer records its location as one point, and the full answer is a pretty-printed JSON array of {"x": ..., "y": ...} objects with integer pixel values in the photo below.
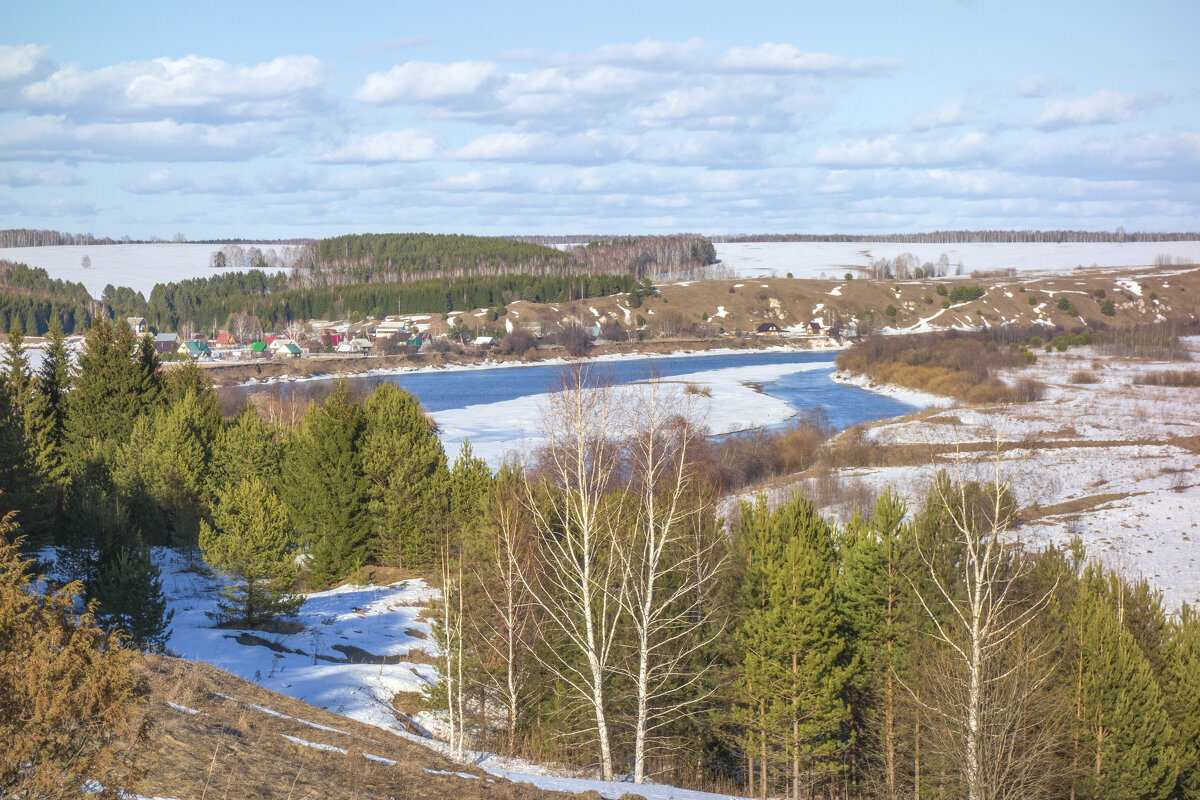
[
  {"x": 1170, "y": 157},
  {"x": 399, "y": 43},
  {"x": 181, "y": 88},
  {"x": 400, "y": 145},
  {"x": 591, "y": 147},
  {"x": 52, "y": 137},
  {"x": 23, "y": 63},
  {"x": 1103, "y": 107},
  {"x": 786, "y": 58},
  {"x": 955, "y": 111},
  {"x": 38, "y": 176},
  {"x": 907, "y": 151},
  {"x": 418, "y": 81},
  {"x": 165, "y": 181},
  {"x": 1036, "y": 86}
]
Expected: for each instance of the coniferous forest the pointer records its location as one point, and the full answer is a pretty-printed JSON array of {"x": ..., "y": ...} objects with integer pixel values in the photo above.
[{"x": 596, "y": 607}]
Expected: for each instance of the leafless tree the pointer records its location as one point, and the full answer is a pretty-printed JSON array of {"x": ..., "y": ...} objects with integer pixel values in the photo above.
[
  {"x": 85, "y": 261},
  {"x": 577, "y": 516},
  {"x": 670, "y": 557},
  {"x": 996, "y": 668}
]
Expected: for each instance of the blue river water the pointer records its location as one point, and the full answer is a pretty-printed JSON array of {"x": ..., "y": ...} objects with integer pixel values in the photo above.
[{"x": 805, "y": 391}]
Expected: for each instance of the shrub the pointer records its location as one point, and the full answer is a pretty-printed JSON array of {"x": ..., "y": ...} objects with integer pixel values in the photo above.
[
  {"x": 945, "y": 304},
  {"x": 849, "y": 276},
  {"x": 640, "y": 321},
  {"x": 1021, "y": 289},
  {"x": 891, "y": 311},
  {"x": 1108, "y": 308},
  {"x": 1063, "y": 304},
  {"x": 518, "y": 342},
  {"x": 1082, "y": 376},
  {"x": 612, "y": 331},
  {"x": 1029, "y": 391},
  {"x": 1099, "y": 294},
  {"x": 697, "y": 389},
  {"x": 928, "y": 300},
  {"x": 575, "y": 340},
  {"x": 1035, "y": 341},
  {"x": 963, "y": 294},
  {"x": 941, "y": 289},
  {"x": 1178, "y": 378},
  {"x": 1033, "y": 301},
  {"x": 1153, "y": 297}
]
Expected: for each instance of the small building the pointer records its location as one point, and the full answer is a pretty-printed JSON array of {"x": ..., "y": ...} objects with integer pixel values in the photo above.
[
  {"x": 768, "y": 329},
  {"x": 166, "y": 342},
  {"x": 289, "y": 350},
  {"x": 226, "y": 340},
  {"x": 137, "y": 325},
  {"x": 195, "y": 349},
  {"x": 258, "y": 348},
  {"x": 814, "y": 328},
  {"x": 358, "y": 345},
  {"x": 483, "y": 341},
  {"x": 278, "y": 345},
  {"x": 390, "y": 327}
]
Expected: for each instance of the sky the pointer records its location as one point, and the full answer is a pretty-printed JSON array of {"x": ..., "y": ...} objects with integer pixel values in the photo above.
[{"x": 305, "y": 119}]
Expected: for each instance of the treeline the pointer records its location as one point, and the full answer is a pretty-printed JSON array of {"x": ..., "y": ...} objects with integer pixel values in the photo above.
[
  {"x": 966, "y": 237},
  {"x": 205, "y": 303},
  {"x": 30, "y": 298},
  {"x": 28, "y": 237},
  {"x": 362, "y": 258},
  {"x": 680, "y": 257}
]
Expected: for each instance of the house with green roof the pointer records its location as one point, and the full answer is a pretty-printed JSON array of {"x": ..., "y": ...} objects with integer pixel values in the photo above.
[{"x": 194, "y": 349}]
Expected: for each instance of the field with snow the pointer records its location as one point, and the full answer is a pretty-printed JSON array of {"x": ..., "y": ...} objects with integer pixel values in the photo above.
[
  {"x": 138, "y": 266},
  {"x": 1113, "y": 462},
  {"x": 833, "y": 259}
]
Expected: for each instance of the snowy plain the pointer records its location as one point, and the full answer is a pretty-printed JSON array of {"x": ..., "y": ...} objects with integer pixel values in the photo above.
[{"x": 833, "y": 259}]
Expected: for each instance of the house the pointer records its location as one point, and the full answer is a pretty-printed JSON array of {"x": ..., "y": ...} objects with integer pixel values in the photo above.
[
  {"x": 358, "y": 345},
  {"x": 258, "y": 348},
  {"x": 484, "y": 341},
  {"x": 194, "y": 349},
  {"x": 814, "y": 328},
  {"x": 226, "y": 340},
  {"x": 166, "y": 342},
  {"x": 279, "y": 345},
  {"x": 390, "y": 327},
  {"x": 137, "y": 325},
  {"x": 768, "y": 329},
  {"x": 289, "y": 350},
  {"x": 331, "y": 338}
]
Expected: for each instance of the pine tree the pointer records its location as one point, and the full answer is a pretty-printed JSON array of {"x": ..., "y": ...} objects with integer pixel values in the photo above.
[
  {"x": 67, "y": 695},
  {"x": 757, "y": 552},
  {"x": 246, "y": 449},
  {"x": 326, "y": 490},
  {"x": 810, "y": 669},
  {"x": 16, "y": 369},
  {"x": 128, "y": 591},
  {"x": 1127, "y": 733},
  {"x": 1181, "y": 689},
  {"x": 404, "y": 462},
  {"x": 45, "y": 416},
  {"x": 108, "y": 394},
  {"x": 252, "y": 542}
]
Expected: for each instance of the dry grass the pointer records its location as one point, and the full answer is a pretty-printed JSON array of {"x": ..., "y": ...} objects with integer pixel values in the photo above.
[
  {"x": 231, "y": 750},
  {"x": 1082, "y": 376},
  {"x": 1173, "y": 378}
]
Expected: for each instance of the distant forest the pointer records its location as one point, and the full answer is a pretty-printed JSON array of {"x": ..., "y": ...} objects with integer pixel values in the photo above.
[
  {"x": 28, "y": 237},
  {"x": 966, "y": 237}
]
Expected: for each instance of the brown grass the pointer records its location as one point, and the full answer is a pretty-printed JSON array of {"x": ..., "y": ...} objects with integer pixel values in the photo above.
[
  {"x": 1082, "y": 376},
  {"x": 231, "y": 750},
  {"x": 1175, "y": 378}
]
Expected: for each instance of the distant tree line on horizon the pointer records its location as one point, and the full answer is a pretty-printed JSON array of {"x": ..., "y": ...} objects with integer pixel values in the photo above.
[
  {"x": 31, "y": 237},
  {"x": 966, "y": 237}
]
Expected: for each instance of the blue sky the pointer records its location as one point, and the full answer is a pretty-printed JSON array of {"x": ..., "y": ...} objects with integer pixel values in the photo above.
[{"x": 257, "y": 119}]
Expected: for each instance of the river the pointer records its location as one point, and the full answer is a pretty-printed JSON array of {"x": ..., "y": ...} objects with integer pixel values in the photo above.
[{"x": 498, "y": 408}]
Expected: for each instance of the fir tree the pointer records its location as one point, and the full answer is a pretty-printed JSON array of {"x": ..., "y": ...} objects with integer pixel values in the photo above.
[
  {"x": 108, "y": 394},
  {"x": 16, "y": 369},
  {"x": 45, "y": 415},
  {"x": 1181, "y": 691},
  {"x": 326, "y": 490},
  {"x": 251, "y": 541},
  {"x": 404, "y": 462},
  {"x": 128, "y": 590},
  {"x": 1128, "y": 737},
  {"x": 246, "y": 449}
]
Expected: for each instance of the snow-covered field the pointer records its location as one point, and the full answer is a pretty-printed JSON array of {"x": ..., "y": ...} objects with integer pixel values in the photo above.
[
  {"x": 138, "y": 266},
  {"x": 833, "y": 259},
  {"x": 1112, "y": 462}
]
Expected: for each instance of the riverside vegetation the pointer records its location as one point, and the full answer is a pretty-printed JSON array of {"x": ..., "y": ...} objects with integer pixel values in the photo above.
[{"x": 594, "y": 610}]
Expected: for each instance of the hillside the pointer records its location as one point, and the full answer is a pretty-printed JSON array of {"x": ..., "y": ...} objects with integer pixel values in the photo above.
[{"x": 220, "y": 736}]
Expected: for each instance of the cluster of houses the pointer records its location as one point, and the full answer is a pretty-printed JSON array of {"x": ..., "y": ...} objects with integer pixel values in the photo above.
[
  {"x": 806, "y": 330},
  {"x": 226, "y": 345}
]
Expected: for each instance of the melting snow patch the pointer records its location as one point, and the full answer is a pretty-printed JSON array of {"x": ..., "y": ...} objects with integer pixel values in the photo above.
[
  {"x": 594, "y": 311},
  {"x": 380, "y": 759},
  {"x": 185, "y": 709},
  {"x": 721, "y": 312},
  {"x": 444, "y": 772},
  {"x": 837, "y": 290},
  {"x": 327, "y": 747},
  {"x": 297, "y": 719},
  {"x": 1133, "y": 287}
]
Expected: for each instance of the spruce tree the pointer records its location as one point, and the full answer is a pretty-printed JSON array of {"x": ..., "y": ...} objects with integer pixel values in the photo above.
[
  {"x": 247, "y": 448},
  {"x": 1181, "y": 694},
  {"x": 107, "y": 397},
  {"x": 129, "y": 595},
  {"x": 1127, "y": 735},
  {"x": 16, "y": 369},
  {"x": 326, "y": 490},
  {"x": 252, "y": 542},
  {"x": 404, "y": 462},
  {"x": 45, "y": 416}
]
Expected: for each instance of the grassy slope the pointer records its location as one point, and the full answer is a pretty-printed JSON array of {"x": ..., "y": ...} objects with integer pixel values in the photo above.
[{"x": 231, "y": 749}]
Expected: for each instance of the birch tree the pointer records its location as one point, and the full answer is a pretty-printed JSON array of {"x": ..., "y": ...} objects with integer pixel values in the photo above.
[
  {"x": 575, "y": 509},
  {"x": 985, "y": 623},
  {"x": 669, "y": 557}
]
